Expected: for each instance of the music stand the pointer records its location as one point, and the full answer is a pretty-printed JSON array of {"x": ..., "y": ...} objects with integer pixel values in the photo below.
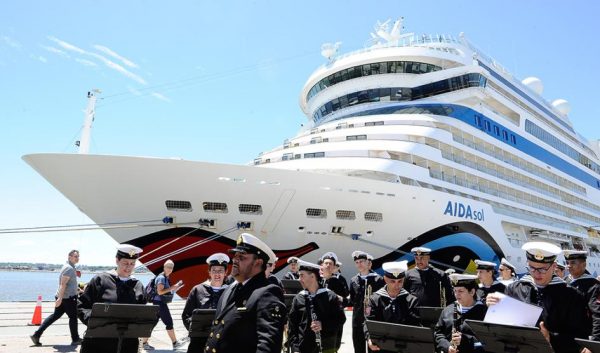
[
  {"x": 593, "y": 346},
  {"x": 400, "y": 338},
  {"x": 291, "y": 286},
  {"x": 121, "y": 321},
  {"x": 506, "y": 338},
  {"x": 429, "y": 315},
  {"x": 201, "y": 322}
]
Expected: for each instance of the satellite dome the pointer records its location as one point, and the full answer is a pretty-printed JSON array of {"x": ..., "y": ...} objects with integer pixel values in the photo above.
[
  {"x": 534, "y": 84},
  {"x": 562, "y": 106}
]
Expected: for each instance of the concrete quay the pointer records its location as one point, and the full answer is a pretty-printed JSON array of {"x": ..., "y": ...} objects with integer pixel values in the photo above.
[{"x": 15, "y": 332}]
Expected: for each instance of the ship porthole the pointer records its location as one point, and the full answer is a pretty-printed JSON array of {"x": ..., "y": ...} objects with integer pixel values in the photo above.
[{"x": 456, "y": 258}]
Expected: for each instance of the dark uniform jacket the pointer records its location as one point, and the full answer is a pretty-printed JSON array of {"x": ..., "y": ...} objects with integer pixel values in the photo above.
[
  {"x": 329, "y": 312},
  {"x": 202, "y": 296},
  {"x": 292, "y": 275},
  {"x": 248, "y": 319},
  {"x": 338, "y": 286},
  {"x": 425, "y": 285},
  {"x": 274, "y": 280},
  {"x": 482, "y": 291},
  {"x": 400, "y": 310},
  {"x": 594, "y": 306},
  {"x": 585, "y": 284},
  {"x": 443, "y": 329},
  {"x": 564, "y": 310},
  {"x": 357, "y": 294},
  {"x": 108, "y": 288}
]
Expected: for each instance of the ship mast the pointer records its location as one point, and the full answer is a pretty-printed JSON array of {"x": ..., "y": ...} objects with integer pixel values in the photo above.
[{"x": 90, "y": 112}]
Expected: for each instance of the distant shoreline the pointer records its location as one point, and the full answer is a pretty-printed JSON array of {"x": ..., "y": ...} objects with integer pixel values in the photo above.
[{"x": 58, "y": 270}]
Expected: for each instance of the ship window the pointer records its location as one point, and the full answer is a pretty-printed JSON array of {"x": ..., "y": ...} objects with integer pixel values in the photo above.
[
  {"x": 314, "y": 155},
  {"x": 513, "y": 139},
  {"x": 487, "y": 125},
  {"x": 176, "y": 205},
  {"x": 217, "y": 207},
  {"x": 250, "y": 209},
  {"x": 373, "y": 217},
  {"x": 316, "y": 213},
  {"x": 356, "y": 137},
  {"x": 496, "y": 130},
  {"x": 345, "y": 214},
  {"x": 373, "y": 123},
  {"x": 504, "y": 134}
]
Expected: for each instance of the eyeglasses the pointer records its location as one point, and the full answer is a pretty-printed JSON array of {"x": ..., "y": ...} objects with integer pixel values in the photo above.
[{"x": 540, "y": 270}]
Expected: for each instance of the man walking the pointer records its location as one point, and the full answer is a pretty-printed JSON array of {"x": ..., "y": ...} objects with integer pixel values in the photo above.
[{"x": 66, "y": 301}]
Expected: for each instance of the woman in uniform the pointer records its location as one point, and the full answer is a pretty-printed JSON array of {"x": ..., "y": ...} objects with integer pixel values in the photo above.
[
  {"x": 206, "y": 295},
  {"x": 115, "y": 286}
]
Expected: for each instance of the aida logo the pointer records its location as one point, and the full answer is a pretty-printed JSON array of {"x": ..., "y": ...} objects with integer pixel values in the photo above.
[{"x": 458, "y": 209}]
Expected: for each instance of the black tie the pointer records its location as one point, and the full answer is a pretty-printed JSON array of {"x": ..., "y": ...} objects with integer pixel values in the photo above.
[{"x": 236, "y": 292}]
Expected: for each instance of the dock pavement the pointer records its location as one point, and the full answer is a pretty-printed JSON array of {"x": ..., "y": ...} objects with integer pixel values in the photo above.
[{"x": 15, "y": 332}]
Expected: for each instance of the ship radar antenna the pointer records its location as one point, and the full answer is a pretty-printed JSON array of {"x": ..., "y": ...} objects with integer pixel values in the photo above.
[
  {"x": 90, "y": 112},
  {"x": 384, "y": 33},
  {"x": 328, "y": 50}
]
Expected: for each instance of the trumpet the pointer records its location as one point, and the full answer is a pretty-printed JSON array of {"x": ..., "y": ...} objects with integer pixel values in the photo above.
[
  {"x": 368, "y": 290},
  {"x": 313, "y": 317},
  {"x": 455, "y": 322}
]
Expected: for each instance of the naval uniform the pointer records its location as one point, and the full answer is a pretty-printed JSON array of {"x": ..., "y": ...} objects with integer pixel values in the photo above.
[
  {"x": 443, "y": 329},
  {"x": 292, "y": 275},
  {"x": 329, "y": 312},
  {"x": 340, "y": 287},
  {"x": 594, "y": 306},
  {"x": 107, "y": 287},
  {"x": 358, "y": 285},
  {"x": 425, "y": 285},
  {"x": 202, "y": 296},
  {"x": 483, "y": 291},
  {"x": 564, "y": 310},
  {"x": 249, "y": 318},
  {"x": 274, "y": 280},
  {"x": 584, "y": 284},
  {"x": 400, "y": 310}
]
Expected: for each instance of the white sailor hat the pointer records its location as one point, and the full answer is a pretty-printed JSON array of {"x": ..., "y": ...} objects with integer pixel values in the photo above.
[
  {"x": 450, "y": 271},
  {"x": 128, "y": 251},
  {"x": 485, "y": 265},
  {"x": 338, "y": 264},
  {"x": 249, "y": 244},
  {"x": 292, "y": 260},
  {"x": 463, "y": 280},
  {"x": 575, "y": 254},
  {"x": 357, "y": 255},
  {"x": 218, "y": 259},
  {"x": 542, "y": 252},
  {"x": 420, "y": 251},
  {"x": 330, "y": 256},
  {"x": 559, "y": 265},
  {"x": 507, "y": 264},
  {"x": 272, "y": 258},
  {"x": 308, "y": 266},
  {"x": 395, "y": 270}
]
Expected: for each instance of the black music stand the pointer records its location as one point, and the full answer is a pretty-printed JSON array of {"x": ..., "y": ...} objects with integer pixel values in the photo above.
[
  {"x": 400, "y": 338},
  {"x": 593, "y": 346},
  {"x": 429, "y": 315},
  {"x": 288, "y": 299},
  {"x": 499, "y": 338},
  {"x": 291, "y": 286},
  {"x": 121, "y": 321},
  {"x": 201, "y": 322}
]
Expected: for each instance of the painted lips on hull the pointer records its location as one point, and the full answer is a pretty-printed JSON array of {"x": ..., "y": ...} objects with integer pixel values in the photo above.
[{"x": 190, "y": 247}]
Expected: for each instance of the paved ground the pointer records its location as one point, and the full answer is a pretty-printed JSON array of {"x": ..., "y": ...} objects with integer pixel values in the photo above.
[{"x": 14, "y": 331}]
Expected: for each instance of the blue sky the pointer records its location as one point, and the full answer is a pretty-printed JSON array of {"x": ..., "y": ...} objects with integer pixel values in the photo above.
[{"x": 220, "y": 81}]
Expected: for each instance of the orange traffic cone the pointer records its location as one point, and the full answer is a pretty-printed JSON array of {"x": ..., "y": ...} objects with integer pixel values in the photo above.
[{"x": 36, "y": 320}]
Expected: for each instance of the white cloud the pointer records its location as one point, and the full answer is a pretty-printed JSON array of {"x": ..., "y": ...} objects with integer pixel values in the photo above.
[
  {"x": 10, "y": 42},
  {"x": 110, "y": 64},
  {"x": 56, "y": 51},
  {"x": 42, "y": 59},
  {"x": 85, "y": 62},
  {"x": 110, "y": 52},
  {"x": 160, "y": 97}
]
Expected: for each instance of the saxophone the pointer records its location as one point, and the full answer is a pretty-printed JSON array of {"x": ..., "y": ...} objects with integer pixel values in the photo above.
[
  {"x": 313, "y": 317},
  {"x": 455, "y": 322}
]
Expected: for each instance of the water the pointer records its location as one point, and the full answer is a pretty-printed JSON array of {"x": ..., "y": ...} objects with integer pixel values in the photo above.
[{"x": 26, "y": 286}]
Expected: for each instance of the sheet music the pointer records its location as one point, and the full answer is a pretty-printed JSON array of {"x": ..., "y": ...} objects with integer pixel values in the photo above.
[{"x": 510, "y": 311}]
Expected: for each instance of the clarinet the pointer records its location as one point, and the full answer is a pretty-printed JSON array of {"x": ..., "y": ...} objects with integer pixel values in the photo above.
[
  {"x": 455, "y": 321},
  {"x": 313, "y": 317}
]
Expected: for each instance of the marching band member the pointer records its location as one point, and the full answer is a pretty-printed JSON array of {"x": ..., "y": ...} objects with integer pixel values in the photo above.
[
  {"x": 269, "y": 272},
  {"x": 427, "y": 282},
  {"x": 331, "y": 282},
  {"x": 392, "y": 303},
  {"x": 293, "y": 272},
  {"x": 578, "y": 276},
  {"x": 560, "y": 270},
  {"x": 451, "y": 334},
  {"x": 487, "y": 284},
  {"x": 316, "y": 315},
  {"x": 507, "y": 272}
]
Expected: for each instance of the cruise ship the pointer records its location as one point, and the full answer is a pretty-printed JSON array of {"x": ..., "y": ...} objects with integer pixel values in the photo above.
[{"x": 415, "y": 140}]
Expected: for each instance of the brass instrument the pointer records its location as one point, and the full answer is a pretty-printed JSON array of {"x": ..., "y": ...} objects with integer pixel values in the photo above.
[
  {"x": 455, "y": 322},
  {"x": 313, "y": 317},
  {"x": 368, "y": 291},
  {"x": 442, "y": 296}
]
